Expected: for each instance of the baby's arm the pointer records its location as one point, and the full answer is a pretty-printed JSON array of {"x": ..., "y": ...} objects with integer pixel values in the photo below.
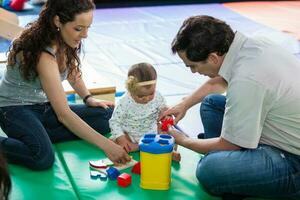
[{"x": 115, "y": 122}]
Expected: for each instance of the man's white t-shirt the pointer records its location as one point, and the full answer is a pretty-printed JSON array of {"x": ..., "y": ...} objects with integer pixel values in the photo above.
[{"x": 263, "y": 95}]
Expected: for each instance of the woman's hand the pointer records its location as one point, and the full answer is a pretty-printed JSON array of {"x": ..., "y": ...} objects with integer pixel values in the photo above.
[
  {"x": 116, "y": 153},
  {"x": 93, "y": 102}
]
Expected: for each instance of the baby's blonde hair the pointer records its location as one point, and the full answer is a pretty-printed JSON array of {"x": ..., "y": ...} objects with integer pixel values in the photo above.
[{"x": 138, "y": 73}]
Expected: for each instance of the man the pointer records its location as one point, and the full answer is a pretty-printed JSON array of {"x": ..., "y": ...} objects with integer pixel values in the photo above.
[{"x": 252, "y": 136}]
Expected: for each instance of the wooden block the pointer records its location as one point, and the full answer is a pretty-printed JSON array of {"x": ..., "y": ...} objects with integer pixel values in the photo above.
[{"x": 99, "y": 86}]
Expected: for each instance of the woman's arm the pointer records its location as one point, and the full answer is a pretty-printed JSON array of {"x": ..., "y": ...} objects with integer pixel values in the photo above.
[{"x": 48, "y": 72}]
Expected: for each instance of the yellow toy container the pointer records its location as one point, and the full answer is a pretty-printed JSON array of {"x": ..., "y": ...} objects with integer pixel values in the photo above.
[{"x": 156, "y": 157}]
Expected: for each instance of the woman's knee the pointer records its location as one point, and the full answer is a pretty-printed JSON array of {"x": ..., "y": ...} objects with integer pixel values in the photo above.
[
  {"x": 101, "y": 123},
  {"x": 43, "y": 161}
]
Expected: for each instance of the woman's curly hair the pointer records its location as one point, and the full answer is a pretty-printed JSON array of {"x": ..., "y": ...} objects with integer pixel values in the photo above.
[
  {"x": 38, "y": 35},
  {"x": 139, "y": 73}
]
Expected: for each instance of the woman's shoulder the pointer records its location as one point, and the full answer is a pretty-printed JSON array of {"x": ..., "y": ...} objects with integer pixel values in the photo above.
[{"x": 50, "y": 50}]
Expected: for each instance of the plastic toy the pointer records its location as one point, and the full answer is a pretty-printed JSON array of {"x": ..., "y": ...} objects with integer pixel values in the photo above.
[
  {"x": 165, "y": 123},
  {"x": 156, "y": 156},
  {"x": 124, "y": 180},
  {"x": 169, "y": 121},
  {"x": 136, "y": 168},
  {"x": 15, "y": 5},
  {"x": 98, "y": 174},
  {"x": 112, "y": 173},
  {"x": 102, "y": 164}
]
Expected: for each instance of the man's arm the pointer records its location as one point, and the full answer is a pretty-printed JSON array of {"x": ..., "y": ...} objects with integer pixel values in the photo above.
[
  {"x": 213, "y": 85},
  {"x": 203, "y": 145}
]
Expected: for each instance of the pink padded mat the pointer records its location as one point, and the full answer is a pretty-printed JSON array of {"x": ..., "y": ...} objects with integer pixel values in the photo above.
[{"x": 281, "y": 15}]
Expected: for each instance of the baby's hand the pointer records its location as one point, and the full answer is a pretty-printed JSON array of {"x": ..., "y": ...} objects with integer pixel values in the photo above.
[
  {"x": 124, "y": 142},
  {"x": 133, "y": 147}
]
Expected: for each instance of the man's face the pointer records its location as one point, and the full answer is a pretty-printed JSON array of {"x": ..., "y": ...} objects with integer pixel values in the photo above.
[{"x": 206, "y": 68}]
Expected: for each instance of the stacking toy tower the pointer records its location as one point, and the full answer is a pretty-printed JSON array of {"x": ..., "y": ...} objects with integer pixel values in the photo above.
[{"x": 156, "y": 157}]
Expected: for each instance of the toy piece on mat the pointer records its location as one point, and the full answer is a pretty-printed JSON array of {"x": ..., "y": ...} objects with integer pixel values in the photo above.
[
  {"x": 136, "y": 168},
  {"x": 98, "y": 174},
  {"x": 124, "y": 180},
  {"x": 102, "y": 164},
  {"x": 131, "y": 163},
  {"x": 112, "y": 173}
]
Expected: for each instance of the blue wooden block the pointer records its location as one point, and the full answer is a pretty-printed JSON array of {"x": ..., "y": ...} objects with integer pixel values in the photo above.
[{"x": 112, "y": 173}]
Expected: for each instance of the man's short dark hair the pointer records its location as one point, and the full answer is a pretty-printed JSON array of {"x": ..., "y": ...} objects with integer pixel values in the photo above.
[{"x": 201, "y": 35}]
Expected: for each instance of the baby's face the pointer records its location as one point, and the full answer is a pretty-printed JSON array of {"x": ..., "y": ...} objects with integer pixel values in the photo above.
[{"x": 144, "y": 94}]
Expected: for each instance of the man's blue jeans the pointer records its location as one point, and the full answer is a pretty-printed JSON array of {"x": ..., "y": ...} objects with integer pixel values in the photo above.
[
  {"x": 32, "y": 129},
  {"x": 265, "y": 171}
]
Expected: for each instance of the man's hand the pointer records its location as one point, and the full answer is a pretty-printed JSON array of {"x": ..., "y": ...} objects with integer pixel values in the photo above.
[
  {"x": 178, "y": 111},
  {"x": 179, "y": 137}
]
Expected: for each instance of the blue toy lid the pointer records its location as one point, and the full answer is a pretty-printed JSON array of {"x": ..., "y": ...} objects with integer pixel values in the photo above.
[{"x": 156, "y": 143}]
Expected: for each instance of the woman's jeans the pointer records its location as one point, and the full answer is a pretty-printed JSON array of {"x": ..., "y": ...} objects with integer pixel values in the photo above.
[
  {"x": 31, "y": 130},
  {"x": 265, "y": 171}
]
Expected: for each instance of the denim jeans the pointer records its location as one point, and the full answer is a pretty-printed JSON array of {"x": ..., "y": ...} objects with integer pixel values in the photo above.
[
  {"x": 31, "y": 130},
  {"x": 265, "y": 171}
]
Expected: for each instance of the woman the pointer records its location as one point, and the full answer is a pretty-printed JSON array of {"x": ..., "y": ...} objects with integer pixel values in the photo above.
[{"x": 34, "y": 111}]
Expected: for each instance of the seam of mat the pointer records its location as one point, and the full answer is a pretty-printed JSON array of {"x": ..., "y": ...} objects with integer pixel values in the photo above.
[{"x": 68, "y": 172}]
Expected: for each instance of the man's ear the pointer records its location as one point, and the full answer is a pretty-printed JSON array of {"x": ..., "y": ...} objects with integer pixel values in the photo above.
[
  {"x": 56, "y": 21},
  {"x": 214, "y": 58}
]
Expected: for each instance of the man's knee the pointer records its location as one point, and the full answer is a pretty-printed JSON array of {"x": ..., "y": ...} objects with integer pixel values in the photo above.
[
  {"x": 205, "y": 173},
  {"x": 210, "y": 174},
  {"x": 211, "y": 101}
]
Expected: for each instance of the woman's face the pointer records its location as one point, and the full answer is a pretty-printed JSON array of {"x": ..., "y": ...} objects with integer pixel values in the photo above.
[{"x": 73, "y": 32}]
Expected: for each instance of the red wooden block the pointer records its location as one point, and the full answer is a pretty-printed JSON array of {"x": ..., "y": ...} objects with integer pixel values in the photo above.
[
  {"x": 136, "y": 168},
  {"x": 124, "y": 180}
]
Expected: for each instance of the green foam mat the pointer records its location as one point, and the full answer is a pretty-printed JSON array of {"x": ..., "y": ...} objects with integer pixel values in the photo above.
[
  {"x": 36, "y": 185},
  {"x": 76, "y": 155}
]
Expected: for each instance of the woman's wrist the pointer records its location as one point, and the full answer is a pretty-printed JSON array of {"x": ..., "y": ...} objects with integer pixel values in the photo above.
[{"x": 86, "y": 98}]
